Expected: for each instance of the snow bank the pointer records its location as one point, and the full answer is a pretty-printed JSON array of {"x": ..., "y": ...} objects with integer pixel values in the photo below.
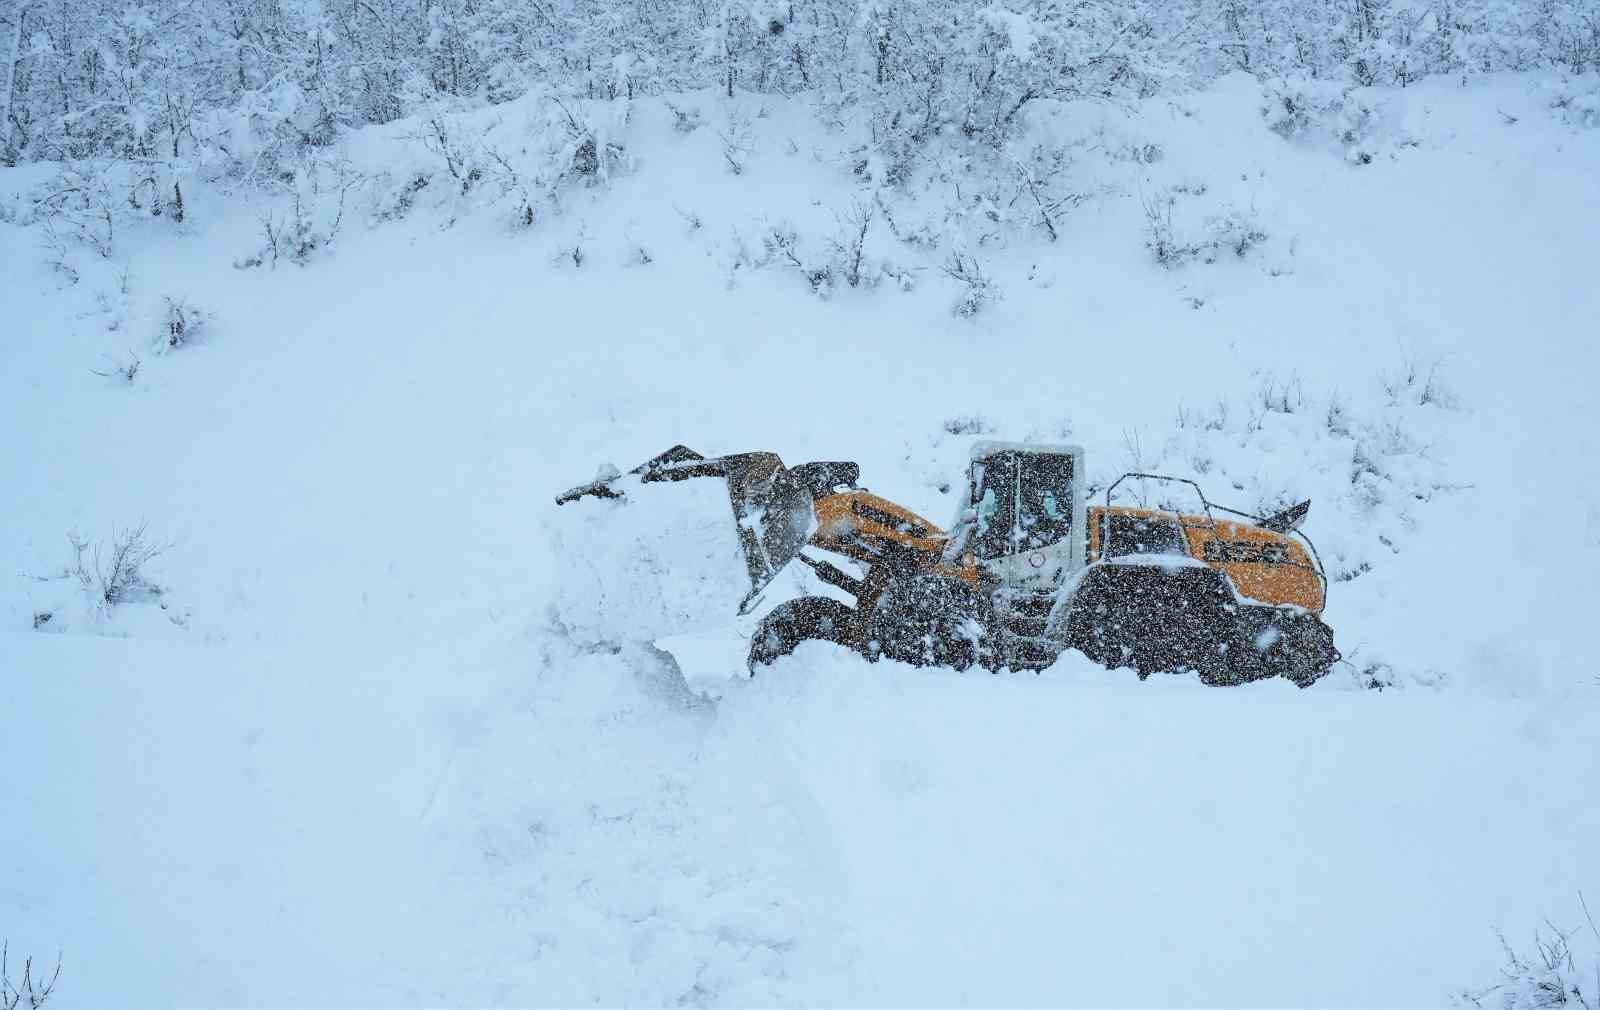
[{"x": 662, "y": 560}]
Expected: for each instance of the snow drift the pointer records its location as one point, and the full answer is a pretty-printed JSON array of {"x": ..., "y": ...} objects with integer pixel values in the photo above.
[{"x": 662, "y": 560}]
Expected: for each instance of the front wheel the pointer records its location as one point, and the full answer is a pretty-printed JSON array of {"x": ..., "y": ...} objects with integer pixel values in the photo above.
[
  {"x": 931, "y": 620},
  {"x": 789, "y": 624}
]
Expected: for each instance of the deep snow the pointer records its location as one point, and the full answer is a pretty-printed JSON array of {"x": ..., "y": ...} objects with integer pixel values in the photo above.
[{"x": 355, "y": 760}]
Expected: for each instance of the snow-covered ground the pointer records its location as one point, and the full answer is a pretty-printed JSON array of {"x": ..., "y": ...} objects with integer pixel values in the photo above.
[{"x": 349, "y": 754}]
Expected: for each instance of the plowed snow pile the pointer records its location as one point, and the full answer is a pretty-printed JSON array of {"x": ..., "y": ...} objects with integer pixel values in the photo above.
[
  {"x": 661, "y": 561},
  {"x": 384, "y": 726}
]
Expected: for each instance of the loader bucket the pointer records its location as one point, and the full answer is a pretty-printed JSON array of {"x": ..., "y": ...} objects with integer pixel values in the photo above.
[{"x": 772, "y": 507}]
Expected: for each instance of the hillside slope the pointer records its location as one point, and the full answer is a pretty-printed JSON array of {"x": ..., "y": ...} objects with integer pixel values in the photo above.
[{"x": 346, "y": 756}]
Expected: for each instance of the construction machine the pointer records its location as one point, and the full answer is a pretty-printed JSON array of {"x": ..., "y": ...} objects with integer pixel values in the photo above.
[{"x": 1027, "y": 569}]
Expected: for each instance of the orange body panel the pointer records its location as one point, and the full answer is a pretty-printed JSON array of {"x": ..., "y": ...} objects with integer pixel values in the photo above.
[
  {"x": 862, "y": 526},
  {"x": 1271, "y": 568},
  {"x": 1265, "y": 566}
]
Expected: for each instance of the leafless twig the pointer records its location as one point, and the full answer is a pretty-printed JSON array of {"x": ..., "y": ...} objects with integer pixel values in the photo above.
[{"x": 27, "y": 993}]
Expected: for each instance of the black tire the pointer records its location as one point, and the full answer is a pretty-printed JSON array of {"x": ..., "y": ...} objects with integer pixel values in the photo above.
[
  {"x": 931, "y": 620},
  {"x": 1153, "y": 620},
  {"x": 789, "y": 624}
]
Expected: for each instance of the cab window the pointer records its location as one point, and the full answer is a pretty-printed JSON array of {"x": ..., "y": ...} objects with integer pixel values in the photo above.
[{"x": 1133, "y": 534}]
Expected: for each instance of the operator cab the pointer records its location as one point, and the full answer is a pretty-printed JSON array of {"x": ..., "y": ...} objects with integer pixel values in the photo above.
[{"x": 1024, "y": 518}]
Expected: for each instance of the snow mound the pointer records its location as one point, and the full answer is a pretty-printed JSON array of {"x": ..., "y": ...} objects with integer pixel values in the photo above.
[{"x": 662, "y": 560}]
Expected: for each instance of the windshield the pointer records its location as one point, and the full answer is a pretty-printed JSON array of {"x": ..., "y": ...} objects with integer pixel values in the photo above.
[{"x": 1023, "y": 502}]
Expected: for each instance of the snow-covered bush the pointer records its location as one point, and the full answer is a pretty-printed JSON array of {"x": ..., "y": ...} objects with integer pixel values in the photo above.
[
  {"x": 1041, "y": 185},
  {"x": 400, "y": 198},
  {"x": 1359, "y": 123},
  {"x": 1159, "y": 235},
  {"x": 85, "y": 203},
  {"x": 238, "y": 96},
  {"x": 737, "y": 140},
  {"x": 978, "y": 289},
  {"x": 1358, "y": 127},
  {"x": 684, "y": 120},
  {"x": 1420, "y": 382},
  {"x": 441, "y": 138},
  {"x": 842, "y": 258},
  {"x": 967, "y": 424},
  {"x": 1283, "y": 396},
  {"x": 1229, "y": 230},
  {"x": 849, "y": 244},
  {"x": 1297, "y": 107},
  {"x": 1550, "y": 975},
  {"x": 183, "y": 322},
  {"x": 781, "y": 247},
  {"x": 117, "y": 573},
  {"x": 318, "y": 191},
  {"x": 103, "y": 576},
  {"x": 1577, "y": 101},
  {"x": 593, "y": 153}
]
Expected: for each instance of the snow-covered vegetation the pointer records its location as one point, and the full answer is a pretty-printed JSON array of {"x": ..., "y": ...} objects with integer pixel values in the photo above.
[{"x": 309, "y": 310}]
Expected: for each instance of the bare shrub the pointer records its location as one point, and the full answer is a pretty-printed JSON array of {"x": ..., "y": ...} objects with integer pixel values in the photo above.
[
  {"x": 978, "y": 288},
  {"x": 684, "y": 120},
  {"x": 967, "y": 424},
  {"x": 1419, "y": 382},
  {"x": 1159, "y": 236},
  {"x": 402, "y": 200},
  {"x": 440, "y": 139},
  {"x": 183, "y": 323},
  {"x": 781, "y": 245},
  {"x": 1040, "y": 182},
  {"x": 1302, "y": 108},
  {"x": 843, "y": 257},
  {"x": 127, "y": 370},
  {"x": 850, "y": 244},
  {"x": 1549, "y": 976},
  {"x": 1579, "y": 108},
  {"x": 1282, "y": 396},
  {"x": 921, "y": 234},
  {"x": 736, "y": 140},
  {"x": 573, "y": 252},
  {"x": 1229, "y": 230},
  {"x": 57, "y": 257},
  {"x": 1233, "y": 230},
  {"x": 115, "y": 573},
  {"x": 79, "y": 203},
  {"x": 512, "y": 183},
  {"x": 1337, "y": 417},
  {"x": 302, "y": 228},
  {"x": 593, "y": 159},
  {"x": 27, "y": 993}
]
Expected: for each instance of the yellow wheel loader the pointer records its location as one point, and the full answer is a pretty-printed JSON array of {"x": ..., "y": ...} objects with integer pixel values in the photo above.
[{"x": 1028, "y": 569}]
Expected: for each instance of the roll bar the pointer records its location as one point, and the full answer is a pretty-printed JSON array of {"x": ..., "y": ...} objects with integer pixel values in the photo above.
[{"x": 1208, "y": 505}]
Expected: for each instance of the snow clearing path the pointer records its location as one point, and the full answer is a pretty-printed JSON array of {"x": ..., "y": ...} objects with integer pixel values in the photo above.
[
  {"x": 360, "y": 749},
  {"x": 831, "y": 833}
]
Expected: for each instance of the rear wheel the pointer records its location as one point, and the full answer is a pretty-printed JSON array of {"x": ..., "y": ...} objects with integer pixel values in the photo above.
[
  {"x": 789, "y": 624},
  {"x": 1153, "y": 620},
  {"x": 930, "y": 620}
]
